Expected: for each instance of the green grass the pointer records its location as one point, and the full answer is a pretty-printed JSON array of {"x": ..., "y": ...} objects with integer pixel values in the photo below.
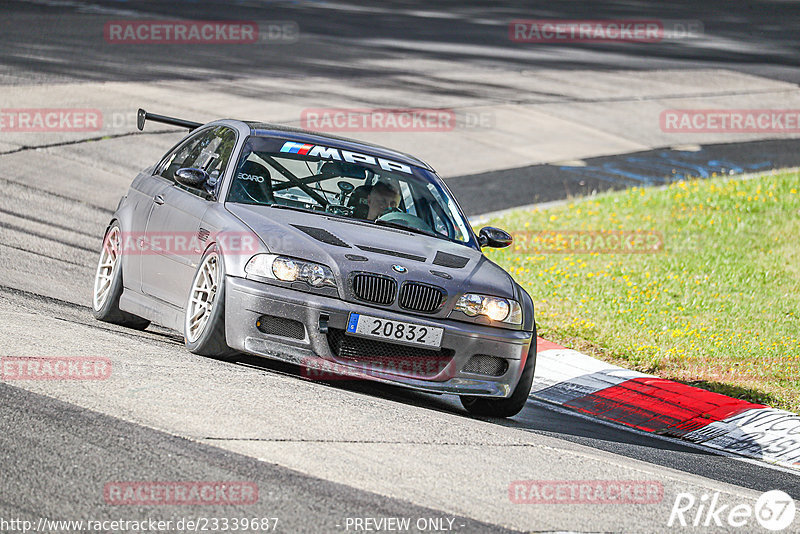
[{"x": 718, "y": 307}]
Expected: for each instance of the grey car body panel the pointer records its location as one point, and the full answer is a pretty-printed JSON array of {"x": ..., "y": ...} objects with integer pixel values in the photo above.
[
  {"x": 276, "y": 228},
  {"x": 252, "y": 299},
  {"x": 156, "y": 283},
  {"x": 166, "y": 274}
]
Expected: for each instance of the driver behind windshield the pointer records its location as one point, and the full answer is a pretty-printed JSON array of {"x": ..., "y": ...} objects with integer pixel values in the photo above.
[{"x": 382, "y": 198}]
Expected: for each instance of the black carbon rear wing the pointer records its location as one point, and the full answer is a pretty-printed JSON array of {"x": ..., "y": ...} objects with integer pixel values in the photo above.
[{"x": 143, "y": 116}]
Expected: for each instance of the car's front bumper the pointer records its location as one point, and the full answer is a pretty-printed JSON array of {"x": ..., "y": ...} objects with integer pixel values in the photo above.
[{"x": 246, "y": 301}]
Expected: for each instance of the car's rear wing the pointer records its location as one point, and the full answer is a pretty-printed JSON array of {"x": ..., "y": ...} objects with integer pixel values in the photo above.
[{"x": 145, "y": 116}]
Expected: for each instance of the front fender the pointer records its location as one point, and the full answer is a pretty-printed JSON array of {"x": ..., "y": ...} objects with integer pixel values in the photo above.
[
  {"x": 235, "y": 240},
  {"x": 525, "y": 300}
]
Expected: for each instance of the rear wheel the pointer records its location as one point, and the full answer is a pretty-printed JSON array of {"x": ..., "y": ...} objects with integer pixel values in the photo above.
[
  {"x": 510, "y": 406},
  {"x": 204, "y": 324},
  {"x": 108, "y": 284}
]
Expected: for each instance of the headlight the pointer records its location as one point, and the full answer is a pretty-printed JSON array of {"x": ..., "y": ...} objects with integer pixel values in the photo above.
[
  {"x": 495, "y": 308},
  {"x": 286, "y": 269},
  {"x": 290, "y": 270}
]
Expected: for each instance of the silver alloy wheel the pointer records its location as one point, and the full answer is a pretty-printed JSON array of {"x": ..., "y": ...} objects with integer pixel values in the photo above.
[
  {"x": 106, "y": 268},
  {"x": 201, "y": 299}
]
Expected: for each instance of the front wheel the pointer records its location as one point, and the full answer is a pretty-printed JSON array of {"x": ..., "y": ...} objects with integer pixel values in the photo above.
[
  {"x": 204, "y": 324},
  {"x": 108, "y": 284},
  {"x": 510, "y": 406}
]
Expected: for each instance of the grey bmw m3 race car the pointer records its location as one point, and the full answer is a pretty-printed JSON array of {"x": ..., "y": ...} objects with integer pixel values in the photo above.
[{"x": 325, "y": 252}]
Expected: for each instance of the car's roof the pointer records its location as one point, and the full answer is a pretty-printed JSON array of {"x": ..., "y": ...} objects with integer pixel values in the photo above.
[{"x": 318, "y": 138}]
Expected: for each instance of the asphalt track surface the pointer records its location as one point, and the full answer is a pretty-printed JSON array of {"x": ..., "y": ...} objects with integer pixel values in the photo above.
[
  {"x": 58, "y": 456},
  {"x": 509, "y": 188},
  {"x": 320, "y": 452},
  {"x": 41, "y": 40}
]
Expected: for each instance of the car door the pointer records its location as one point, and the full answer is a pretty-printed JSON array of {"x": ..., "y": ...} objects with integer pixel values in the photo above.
[
  {"x": 140, "y": 198},
  {"x": 175, "y": 240}
]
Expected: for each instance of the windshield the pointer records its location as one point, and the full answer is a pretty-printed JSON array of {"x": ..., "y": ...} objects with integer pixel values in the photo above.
[{"x": 350, "y": 184}]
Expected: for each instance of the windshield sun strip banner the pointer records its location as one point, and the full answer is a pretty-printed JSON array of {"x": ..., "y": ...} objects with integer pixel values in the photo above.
[{"x": 323, "y": 152}]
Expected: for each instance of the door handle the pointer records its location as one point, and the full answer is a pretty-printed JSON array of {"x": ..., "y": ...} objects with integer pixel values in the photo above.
[{"x": 158, "y": 199}]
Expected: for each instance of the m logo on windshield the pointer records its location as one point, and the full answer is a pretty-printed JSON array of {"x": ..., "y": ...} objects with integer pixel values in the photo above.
[{"x": 319, "y": 151}]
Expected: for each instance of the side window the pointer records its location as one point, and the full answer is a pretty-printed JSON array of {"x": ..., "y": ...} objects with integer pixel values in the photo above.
[{"x": 210, "y": 150}]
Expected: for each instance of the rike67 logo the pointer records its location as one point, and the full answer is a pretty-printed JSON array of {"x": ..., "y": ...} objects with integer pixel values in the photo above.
[{"x": 774, "y": 510}]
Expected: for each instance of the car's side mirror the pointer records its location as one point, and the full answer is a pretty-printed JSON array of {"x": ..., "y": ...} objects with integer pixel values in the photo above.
[
  {"x": 494, "y": 237},
  {"x": 190, "y": 177}
]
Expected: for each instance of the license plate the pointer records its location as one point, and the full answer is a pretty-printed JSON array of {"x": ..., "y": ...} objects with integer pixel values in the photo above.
[{"x": 395, "y": 331}]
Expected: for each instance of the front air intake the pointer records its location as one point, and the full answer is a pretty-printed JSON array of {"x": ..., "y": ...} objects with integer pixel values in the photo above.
[
  {"x": 379, "y": 356},
  {"x": 483, "y": 364},
  {"x": 280, "y": 326}
]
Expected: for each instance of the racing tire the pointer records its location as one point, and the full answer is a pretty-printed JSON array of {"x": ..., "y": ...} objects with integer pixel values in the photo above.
[
  {"x": 108, "y": 286},
  {"x": 509, "y": 406},
  {"x": 204, "y": 317}
]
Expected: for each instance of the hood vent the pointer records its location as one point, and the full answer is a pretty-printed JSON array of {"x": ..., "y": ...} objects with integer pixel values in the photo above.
[
  {"x": 394, "y": 253},
  {"x": 355, "y": 257},
  {"x": 322, "y": 235},
  {"x": 450, "y": 260}
]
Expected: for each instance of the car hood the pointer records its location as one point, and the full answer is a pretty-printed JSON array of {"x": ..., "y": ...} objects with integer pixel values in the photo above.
[{"x": 350, "y": 245}]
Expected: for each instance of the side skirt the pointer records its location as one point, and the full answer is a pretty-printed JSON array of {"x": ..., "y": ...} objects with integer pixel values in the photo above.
[{"x": 153, "y": 309}]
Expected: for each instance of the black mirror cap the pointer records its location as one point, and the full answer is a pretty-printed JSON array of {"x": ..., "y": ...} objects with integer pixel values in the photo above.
[
  {"x": 494, "y": 237},
  {"x": 191, "y": 177}
]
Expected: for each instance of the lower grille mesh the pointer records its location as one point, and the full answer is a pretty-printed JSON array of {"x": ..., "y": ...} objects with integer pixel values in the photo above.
[
  {"x": 373, "y": 355},
  {"x": 483, "y": 364},
  {"x": 280, "y": 326}
]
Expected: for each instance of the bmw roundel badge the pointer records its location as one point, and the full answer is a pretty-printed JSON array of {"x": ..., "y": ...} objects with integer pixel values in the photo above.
[{"x": 399, "y": 268}]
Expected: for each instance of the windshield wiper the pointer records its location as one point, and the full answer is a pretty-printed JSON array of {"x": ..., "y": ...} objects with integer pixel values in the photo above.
[
  {"x": 296, "y": 208},
  {"x": 389, "y": 224}
]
